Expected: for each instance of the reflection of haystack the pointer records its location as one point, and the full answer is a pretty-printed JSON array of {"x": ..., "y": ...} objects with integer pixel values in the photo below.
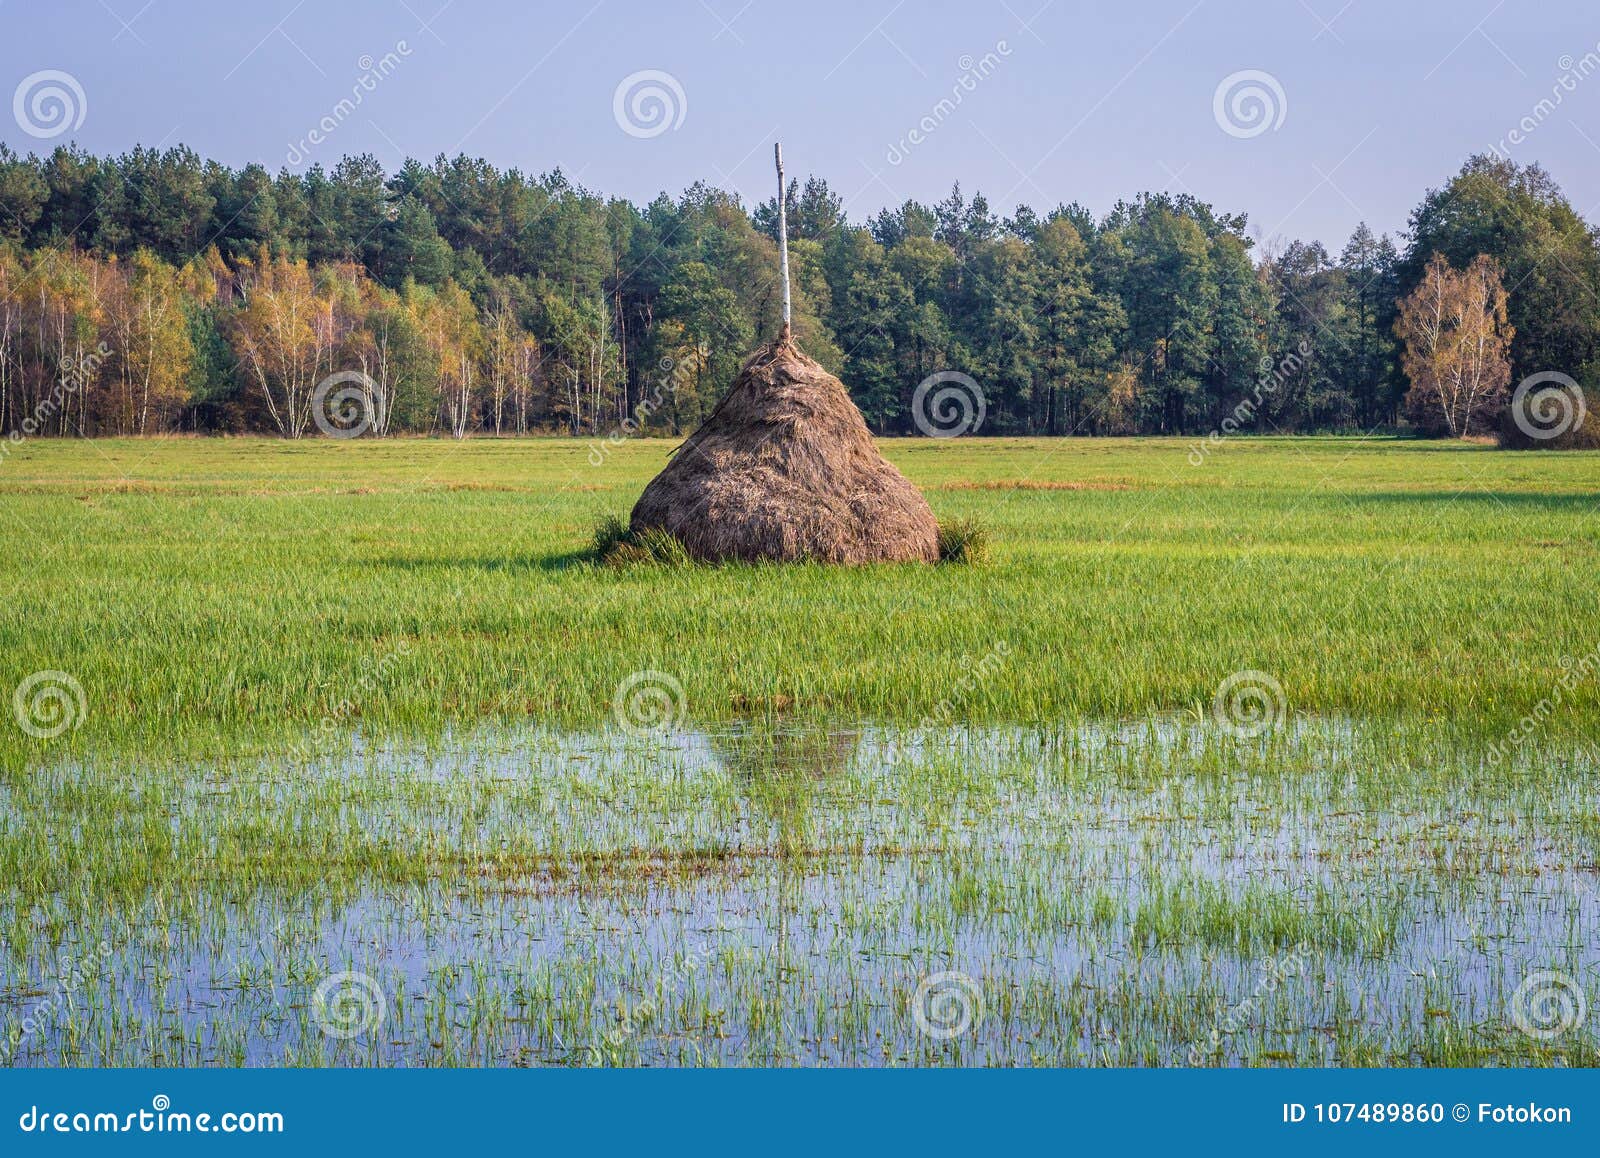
[
  {"x": 764, "y": 752},
  {"x": 785, "y": 469},
  {"x": 780, "y": 770}
]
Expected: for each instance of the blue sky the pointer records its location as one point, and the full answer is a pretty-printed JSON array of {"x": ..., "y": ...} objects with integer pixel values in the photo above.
[{"x": 1370, "y": 102}]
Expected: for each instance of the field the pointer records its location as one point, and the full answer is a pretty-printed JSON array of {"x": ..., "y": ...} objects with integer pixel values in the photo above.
[{"x": 360, "y": 760}]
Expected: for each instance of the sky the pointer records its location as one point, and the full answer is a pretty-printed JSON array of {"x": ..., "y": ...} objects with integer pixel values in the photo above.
[{"x": 1308, "y": 115}]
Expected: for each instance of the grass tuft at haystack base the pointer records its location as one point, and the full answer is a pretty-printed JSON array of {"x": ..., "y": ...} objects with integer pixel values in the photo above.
[
  {"x": 618, "y": 545},
  {"x": 785, "y": 470},
  {"x": 963, "y": 541}
]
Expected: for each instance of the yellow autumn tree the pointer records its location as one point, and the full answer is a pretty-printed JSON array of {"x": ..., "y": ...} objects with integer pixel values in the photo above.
[
  {"x": 149, "y": 343},
  {"x": 64, "y": 298},
  {"x": 449, "y": 324},
  {"x": 510, "y": 358},
  {"x": 285, "y": 337},
  {"x": 1457, "y": 347},
  {"x": 11, "y": 324}
]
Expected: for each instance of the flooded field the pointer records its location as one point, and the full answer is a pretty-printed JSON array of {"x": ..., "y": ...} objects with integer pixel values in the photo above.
[{"x": 1166, "y": 891}]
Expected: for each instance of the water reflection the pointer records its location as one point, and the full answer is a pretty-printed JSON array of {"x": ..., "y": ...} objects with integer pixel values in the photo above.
[
  {"x": 781, "y": 768},
  {"x": 776, "y": 892}
]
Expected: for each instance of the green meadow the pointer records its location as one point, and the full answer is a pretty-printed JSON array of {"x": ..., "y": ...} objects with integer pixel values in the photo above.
[
  {"x": 348, "y": 753},
  {"x": 213, "y": 591}
]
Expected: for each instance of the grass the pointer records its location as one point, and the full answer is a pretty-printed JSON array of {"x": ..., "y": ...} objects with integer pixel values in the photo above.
[
  {"x": 616, "y": 545},
  {"x": 963, "y": 541},
  {"x": 358, "y": 709},
  {"x": 205, "y": 592}
]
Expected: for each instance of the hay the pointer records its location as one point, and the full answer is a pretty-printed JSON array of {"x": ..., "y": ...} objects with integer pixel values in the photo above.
[
  {"x": 785, "y": 469},
  {"x": 1579, "y": 435}
]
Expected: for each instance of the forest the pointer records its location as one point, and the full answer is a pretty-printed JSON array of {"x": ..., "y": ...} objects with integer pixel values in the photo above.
[{"x": 156, "y": 291}]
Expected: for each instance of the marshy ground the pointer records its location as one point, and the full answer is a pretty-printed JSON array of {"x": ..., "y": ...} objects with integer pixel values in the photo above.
[{"x": 370, "y": 766}]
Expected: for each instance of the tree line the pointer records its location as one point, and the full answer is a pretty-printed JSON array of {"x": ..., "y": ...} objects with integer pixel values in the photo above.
[{"x": 155, "y": 291}]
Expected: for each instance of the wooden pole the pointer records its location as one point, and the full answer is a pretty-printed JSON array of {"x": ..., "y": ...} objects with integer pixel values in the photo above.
[{"x": 783, "y": 235}]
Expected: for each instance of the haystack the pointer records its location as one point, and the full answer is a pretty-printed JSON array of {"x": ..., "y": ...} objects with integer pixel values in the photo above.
[{"x": 785, "y": 469}]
